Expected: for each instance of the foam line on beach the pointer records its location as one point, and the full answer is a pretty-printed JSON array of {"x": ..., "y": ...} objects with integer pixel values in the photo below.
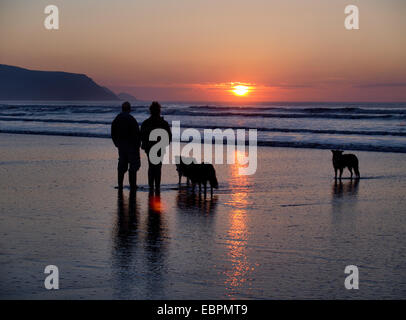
[
  {"x": 284, "y": 144},
  {"x": 285, "y": 130}
]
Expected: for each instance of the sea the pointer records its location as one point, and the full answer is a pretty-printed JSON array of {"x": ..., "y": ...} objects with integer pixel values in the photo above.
[{"x": 348, "y": 126}]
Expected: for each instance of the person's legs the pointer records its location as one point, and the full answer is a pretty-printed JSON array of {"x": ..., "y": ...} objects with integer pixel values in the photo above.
[
  {"x": 157, "y": 177},
  {"x": 134, "y": 161},
  {"x": 154, "y": 175},
  {"x": 122, "y": 167},
  {"x": 150, "y": 176},
  {"x": 132, "y": 177}
]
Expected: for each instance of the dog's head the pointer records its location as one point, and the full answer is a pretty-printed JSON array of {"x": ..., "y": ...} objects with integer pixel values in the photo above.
[
  {"x": 182, "y": 163},
  {"x": 212, "y": 176},
  {"x": 337, "y": 153},
  {"x": 213, "y": 182}
]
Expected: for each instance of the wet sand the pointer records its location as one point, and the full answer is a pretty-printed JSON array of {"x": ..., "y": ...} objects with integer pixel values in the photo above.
[{"x": 286, "y": 232}]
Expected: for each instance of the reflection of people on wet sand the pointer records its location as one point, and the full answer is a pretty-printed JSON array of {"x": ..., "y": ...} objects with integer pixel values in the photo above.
[
  {"x": 125, "y": 133},
  {"x": 155, "y": 121},
  {"x": 154, "y": 225},
  {"x": 341, "y": 189},
  {"x": 155, "y": 245},
  {"x": 127, "y": 222},
  {"x": 190, "y": 202},
  {"x": 125, "y": 239}
]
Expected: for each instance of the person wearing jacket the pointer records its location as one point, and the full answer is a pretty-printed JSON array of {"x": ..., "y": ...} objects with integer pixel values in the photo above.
[
  {"x": 126, "y": 137},
  {"x": 155, "y": 121}
]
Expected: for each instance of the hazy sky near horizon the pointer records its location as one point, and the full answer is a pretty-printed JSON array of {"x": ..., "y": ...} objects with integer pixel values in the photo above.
[{"x": 192, "y": 49}]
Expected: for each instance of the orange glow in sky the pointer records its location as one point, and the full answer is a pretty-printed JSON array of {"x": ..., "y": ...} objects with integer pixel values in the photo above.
[{"x": 283, "y": 50}]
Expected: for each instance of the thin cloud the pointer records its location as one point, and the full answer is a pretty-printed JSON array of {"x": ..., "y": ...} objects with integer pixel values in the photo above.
[{"x": 382, "y": 85}]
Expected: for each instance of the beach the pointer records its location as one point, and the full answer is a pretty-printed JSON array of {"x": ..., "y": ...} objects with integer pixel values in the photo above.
[{"x": 287, "y": 232}]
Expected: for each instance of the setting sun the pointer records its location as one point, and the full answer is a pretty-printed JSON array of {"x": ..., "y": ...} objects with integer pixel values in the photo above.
[{"x": 240, "y": 90}]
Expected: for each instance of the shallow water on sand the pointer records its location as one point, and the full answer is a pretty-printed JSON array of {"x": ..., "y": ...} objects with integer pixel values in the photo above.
[{"x": 286, "y": 232}]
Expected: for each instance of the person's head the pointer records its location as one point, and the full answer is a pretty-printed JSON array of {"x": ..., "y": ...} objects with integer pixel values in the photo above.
[
  {"x": 126, "y": 107},
  {"x": 155, "y": 109}
]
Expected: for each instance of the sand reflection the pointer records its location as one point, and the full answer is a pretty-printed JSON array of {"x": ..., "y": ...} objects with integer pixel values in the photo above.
[
  {"x": 126, "y": 227},
  {"x": 340, "y": 189},
  {"x": 344, "y": 201},
  {"x": 155, "y": 229},
  {"x": 189, "y": 202},
  {"x": 238, "y": 233},
  {"x": 125, "y": 239}
]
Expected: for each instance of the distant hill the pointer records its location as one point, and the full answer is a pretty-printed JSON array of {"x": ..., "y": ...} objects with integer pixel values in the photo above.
[
  {"x": 23, "y": 84},
  {"x": 126, "y": 96}
]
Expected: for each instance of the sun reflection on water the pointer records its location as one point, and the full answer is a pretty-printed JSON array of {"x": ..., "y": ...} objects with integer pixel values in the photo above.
[
  {"x": 238, "y": 233},
  {"x": 155, "y": 204}
]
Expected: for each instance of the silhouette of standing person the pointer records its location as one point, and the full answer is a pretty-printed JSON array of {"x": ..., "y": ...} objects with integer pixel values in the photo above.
[
  {"x": 155, "y": 121},
  {"x": 125, "y": 133}
]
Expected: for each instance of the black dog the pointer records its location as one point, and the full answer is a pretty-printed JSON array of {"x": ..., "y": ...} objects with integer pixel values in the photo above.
[
  {"x": 201, "y": 174},
  {"x": 183, "y": 167},
  {"x": 198, "y": 173},
  {"x": 340, "y": 161}
]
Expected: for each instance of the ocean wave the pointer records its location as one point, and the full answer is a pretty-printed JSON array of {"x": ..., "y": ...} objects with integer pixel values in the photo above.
[
  {"x": 287, "y": 115},
  {"x": 62, "y": 109},
  {"x": 317, "y": 110},
  {"x": 283, "y": 112},
  {"x": 261, "y": 129},
  {"x": 286, "y": 144}
]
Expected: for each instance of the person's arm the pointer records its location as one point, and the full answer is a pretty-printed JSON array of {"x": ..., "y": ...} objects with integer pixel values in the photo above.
[
  {"x": 168, "y": 129},
  {"x": 142, "y": 134},
  {"x": 114, "y": 132},
  {"x": 137, "y": 134}
]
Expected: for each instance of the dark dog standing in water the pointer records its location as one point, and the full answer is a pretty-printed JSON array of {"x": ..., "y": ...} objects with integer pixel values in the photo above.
[
  {"x": 198, "y": 174},
  {"x": 183, "y": 168},
  {"x": 201, "y": 174},
  {"x": 340, "y": 161}
]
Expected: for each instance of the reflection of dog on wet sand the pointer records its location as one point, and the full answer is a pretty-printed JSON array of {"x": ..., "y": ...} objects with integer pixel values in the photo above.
[
  {"x": 189, "y": 203},
  {"x": 197, "y": 173},
  {"x": 341, "y": 161},
  {"x": 350, "y": 188}
]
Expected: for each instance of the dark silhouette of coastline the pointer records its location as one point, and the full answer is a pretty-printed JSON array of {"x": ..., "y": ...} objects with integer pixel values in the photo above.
[{"x": 23, "y": 84}]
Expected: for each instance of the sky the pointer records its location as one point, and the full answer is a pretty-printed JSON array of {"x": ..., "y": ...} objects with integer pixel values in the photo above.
[{"x": 197, "y": 50}]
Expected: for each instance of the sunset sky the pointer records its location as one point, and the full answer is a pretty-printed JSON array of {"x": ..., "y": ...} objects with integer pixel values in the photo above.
[{"x": 192, "y": 50}]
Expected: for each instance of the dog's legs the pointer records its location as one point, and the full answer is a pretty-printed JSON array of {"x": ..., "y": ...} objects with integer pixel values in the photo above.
[
  {"x": 211, "y": 191},
  {"x": 335, "y": 173},
  {"x": 180, "y": 178},
  {"x": 349, "y": 168},
  {"x": 341, "y": 172}
]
